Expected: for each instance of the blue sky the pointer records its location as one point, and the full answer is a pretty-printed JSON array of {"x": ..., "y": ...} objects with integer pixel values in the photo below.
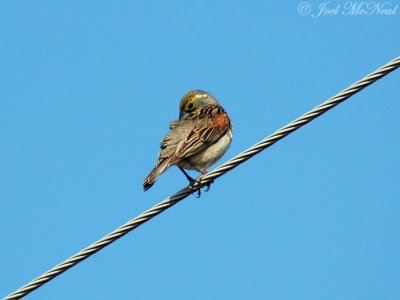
[{"x": 87, "y": 89}]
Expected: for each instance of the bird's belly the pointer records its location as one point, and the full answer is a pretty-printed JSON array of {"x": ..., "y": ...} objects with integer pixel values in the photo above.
[{"x": 209, "y": 156}]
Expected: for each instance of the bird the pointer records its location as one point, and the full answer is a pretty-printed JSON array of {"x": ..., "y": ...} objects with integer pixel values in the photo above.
[{"x": 197, "y": 140}]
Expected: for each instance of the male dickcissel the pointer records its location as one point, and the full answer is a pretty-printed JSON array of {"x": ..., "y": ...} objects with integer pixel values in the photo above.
[{"x": 197, "y": 140}]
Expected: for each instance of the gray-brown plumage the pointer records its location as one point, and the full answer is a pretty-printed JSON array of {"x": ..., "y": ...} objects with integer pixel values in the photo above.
[{"x": 197, "y": 140}]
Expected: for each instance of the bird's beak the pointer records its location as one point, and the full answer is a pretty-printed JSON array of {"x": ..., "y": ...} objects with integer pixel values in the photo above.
[{"x": 184, "y": 115}]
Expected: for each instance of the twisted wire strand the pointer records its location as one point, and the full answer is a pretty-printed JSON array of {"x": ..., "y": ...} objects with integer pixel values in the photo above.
[{"x": 205, "y": 179}]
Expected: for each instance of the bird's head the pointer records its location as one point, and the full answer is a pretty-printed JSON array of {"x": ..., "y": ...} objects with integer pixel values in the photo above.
[{"x": 192, "y": 103}]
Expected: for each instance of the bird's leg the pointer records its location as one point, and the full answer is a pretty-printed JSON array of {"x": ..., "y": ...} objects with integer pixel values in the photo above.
[
  {"x": 208, "y": 185},
  {"x": 191, "y": 180}
]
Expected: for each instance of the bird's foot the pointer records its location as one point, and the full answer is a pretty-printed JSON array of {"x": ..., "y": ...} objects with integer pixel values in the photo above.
[
  {"x": 191, "y": 187},
  {"x": 207, "y": 185},
  {"x": 193, "y": 182}
]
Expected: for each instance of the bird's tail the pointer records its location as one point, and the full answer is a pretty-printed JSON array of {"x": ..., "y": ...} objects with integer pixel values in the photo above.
[{"x": 152, "y": 177}]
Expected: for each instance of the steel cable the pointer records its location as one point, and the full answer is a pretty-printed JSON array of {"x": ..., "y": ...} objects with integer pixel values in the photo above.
[{"x": 205, "y": 179}]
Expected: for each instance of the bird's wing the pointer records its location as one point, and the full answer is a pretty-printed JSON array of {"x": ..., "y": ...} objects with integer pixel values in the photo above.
[
  {"x": 171, "y": 141},
  {"x": 203, "y": 134}
]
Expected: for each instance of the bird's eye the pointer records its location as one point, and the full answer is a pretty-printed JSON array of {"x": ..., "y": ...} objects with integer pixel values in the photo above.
[{"x": 190, "y": 106}]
